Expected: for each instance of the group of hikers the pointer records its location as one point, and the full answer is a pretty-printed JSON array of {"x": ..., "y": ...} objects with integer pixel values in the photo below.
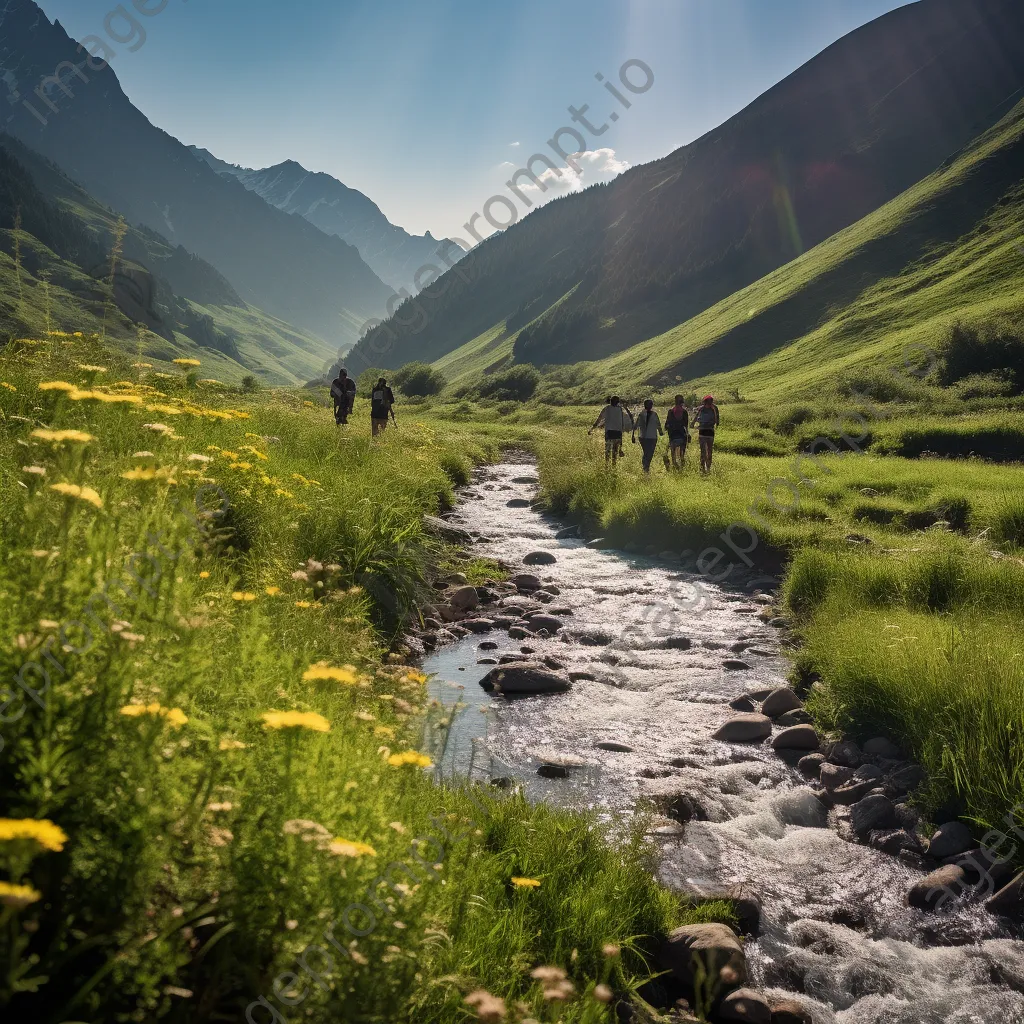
[
  {"x": 617, "y": 420},
  {"x": 382, "y": 402}
]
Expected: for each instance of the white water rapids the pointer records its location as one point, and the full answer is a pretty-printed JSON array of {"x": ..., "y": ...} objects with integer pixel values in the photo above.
[{"x": 836, "y": 931}]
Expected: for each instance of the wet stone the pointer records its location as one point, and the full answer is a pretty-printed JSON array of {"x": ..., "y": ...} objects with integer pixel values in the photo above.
[
  {"x": 810, "y": 765},
  {"x": 789, "y": 1011},
  {"x": 540, "y": 558},
  {"x": 744, "y": 729},
  {"x": 614, "y": 745},
  {"x": 937, "y": 890},
  {"x": 795, "y": 717},
  {"x": 834, "y": 775},
  {"x": 735, "y": 665},
  {"x": 881, "y": 747},
  {"x": 779, "y": 701},
  {"x": 487, "y": 661},
  {"x": 743, "y": 704},
  {"x": 873, "y": 813},
  {"x": 950, "y": 839},
  {"x": 745, "y": 1005},
  {"x": 553, "y": 771},
  {"x": 518, "y": 503},
  {"x": 487, "y": 645},
  {"x": 567, "y": 533}
]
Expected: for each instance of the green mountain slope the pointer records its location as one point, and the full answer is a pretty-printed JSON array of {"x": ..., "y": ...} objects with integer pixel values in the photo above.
[
  {"x": 165, "y": 303},
  {"x": 951, "y": 247},
  {"x": 595, "y": 273}
]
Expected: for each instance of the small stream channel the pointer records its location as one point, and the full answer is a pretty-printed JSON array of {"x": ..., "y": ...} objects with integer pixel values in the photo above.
[{"x": 835, "y": 927}]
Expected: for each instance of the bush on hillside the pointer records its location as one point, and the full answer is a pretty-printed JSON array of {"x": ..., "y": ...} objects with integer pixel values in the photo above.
[
  {"x": 516, "y": 384},
  {"x": 993, "y": 346},
  {"x": 419, "y": 380},
  {"x": 366, "y": 380},
  {"x": 885, "y": 385}
]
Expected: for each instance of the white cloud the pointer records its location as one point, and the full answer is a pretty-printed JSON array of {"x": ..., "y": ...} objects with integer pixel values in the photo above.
[
  {"x": 594, "y": 165},
  {"x": 515, "y": 145}
]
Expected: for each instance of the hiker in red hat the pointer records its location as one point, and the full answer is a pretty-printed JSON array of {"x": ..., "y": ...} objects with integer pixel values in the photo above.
[{"x": 706, "y": 421}]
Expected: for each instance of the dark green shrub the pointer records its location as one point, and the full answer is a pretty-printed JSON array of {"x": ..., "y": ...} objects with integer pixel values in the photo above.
[
  {"x": 989, "y": 347},
  {"x": 516, "y": 384},
  {"x": 419, "y": 379}
]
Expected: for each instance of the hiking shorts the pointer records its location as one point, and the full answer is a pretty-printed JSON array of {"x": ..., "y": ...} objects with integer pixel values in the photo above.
[
  {"x": 679, "y": 441},
  {"x": 612, "y": 439}
]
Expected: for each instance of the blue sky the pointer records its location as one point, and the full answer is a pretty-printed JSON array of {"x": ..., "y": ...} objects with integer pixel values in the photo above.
[{"x": 420, "y": 105}]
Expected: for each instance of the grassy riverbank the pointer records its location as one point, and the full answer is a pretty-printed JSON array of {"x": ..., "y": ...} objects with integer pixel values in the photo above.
[
  {"x": 199, "y": 591},
  {"x": 904, "y": 579}
]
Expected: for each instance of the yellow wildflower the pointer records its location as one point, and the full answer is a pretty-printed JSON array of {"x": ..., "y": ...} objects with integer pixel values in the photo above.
[
  {"x": 41, "y": 831},
  {"x": 303, "y": 604},
  {"x": 243, "y": 465},
  {"x": 243, "y": 595},
  {"x": 88, "y": 368},
  {"x": 412, "y": 677},
  {"x": 83, "y": 493},
  {"x": 167, "y": 410},
  {"x": 9, "y": 387},
  {"x": 365, "y": 716},
  {"x": 148, "y": 474},
  {"x": 56, "y": 385},
  {"x": 204, "y": 575},
  {"x": 295, "y": 720},
  {"x": 174, "y": 716},
  {"x": 59, "y": 436},
  {"x": 253, "y": 451},
  {"x": 18, "y": 896},
  {"x": 384, "y": 730},
  {"x": 281, "y": 493},
  {"x": 413, "y": 757},
  {"x": 229, "y": 744},
  {"x": 159, "y": 428},
  {"x": 346, "y": 674},
  {"x": 526, "y": 883},
  {"x": 186, "y": 362},
  {"x": 348, "y": 848},
  {"x": 273, "y": 591}
]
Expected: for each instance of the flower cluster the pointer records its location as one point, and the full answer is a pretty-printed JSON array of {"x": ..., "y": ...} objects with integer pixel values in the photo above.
[{"x": 173, "y": 716}]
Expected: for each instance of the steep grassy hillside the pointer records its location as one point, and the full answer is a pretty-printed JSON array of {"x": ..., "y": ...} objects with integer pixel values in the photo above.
[
  {"x": 950, "y": 248},
  {"x": 594, "y": 273},
  {"x": 278, "y": 262}
]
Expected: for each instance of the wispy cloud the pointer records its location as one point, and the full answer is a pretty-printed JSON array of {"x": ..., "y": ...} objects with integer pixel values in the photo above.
[
  {"x": 515, "y": 145},
  {"x": 595, "y": 165}
]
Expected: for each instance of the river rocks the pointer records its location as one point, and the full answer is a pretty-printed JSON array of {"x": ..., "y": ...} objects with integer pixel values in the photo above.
[
  {"x": 713, "y": 946},
  {"x": 845, "y": 753},
  {"x": 779, "y": 701},
  {"x": 614, "y": 745},
  {"x": 540, "y": 558},
  {"x": 487, "y": 645},
  {"x": 735, "y": 665},
  {"x": 872, "y": 813},
  {"x": 810, "y": 765},
  {"x": 834, "y": 775},
  {"x": 893, "y": 841},
  {"x": 487, "y": 661},
  {"x": 477, "y": 625},
  {"x": 525, "y": 480},
  {"x": 445, "y": 530},
  {"x": 745, "y": 729},
  {"x": 796, "y": 737},
  {"x": 518, "y": 503},
  {"x": 519, "y": 632},
  {"x": 464, "y": 599},
  {"x": 934, "y": 891},
  {"x": 1008, "y": 901},
  {"x": 744, "y": 704},
  {"x": 553, "y": 771},
  {"x": 524, "y": 678},
  {"x": 678, "y": 643},
  {"x": 909, "y": 777},
  {"x": 744, "y": 1004},
  {"x": 950, "y": 839},
  {"x": 881, "y": 747},
  {"x": 525, "y": 581},
  {"x": 567, "y": 533},
  {"x": 800, "y": 806},
  {"x": 796, "y": 717},
  {"x": 851, "y": 792},
  {"x": 582, "y": 676},
  {"x": 548, "y": 622},
  {"x": 594, "y": 638},
  {"x": 789, "y": 1011}
]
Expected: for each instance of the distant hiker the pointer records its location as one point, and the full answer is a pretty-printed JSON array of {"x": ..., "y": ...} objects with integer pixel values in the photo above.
[
  {"x": 649, "y": 426},
  {"x": 382, "y": 405},
  {"x": 343, "y": 391},
  {"x": 677, "y": 426},
  {"x": 706, "y": 420},
  {"x": 615, "y": 420}
]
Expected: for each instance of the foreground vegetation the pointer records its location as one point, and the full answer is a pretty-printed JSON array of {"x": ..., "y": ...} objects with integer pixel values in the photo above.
[{"x": 199, "y": 593}]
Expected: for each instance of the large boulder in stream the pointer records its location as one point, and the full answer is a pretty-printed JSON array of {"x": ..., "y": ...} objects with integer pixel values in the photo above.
[
  {"x": 465, "y": 599},
  {"x": 744, "y": 729},
  {"x": 745, "y": 1005},
  {"x": 549, "y": 622},
  {"x": 540, "y": 558},
  {"x": 779, "y": 701},
  {"x": 526, "y": 581},
  {"x": 873, "y": 813},
  {"x": 796, "y": 737},
  {"x": 704, "y": 947},
  {"x": 937, "y": 890},
  {"x": 950, "y": 839},
  {"x": 524, "y": 678},
  {"x": 445, "y": 530}
]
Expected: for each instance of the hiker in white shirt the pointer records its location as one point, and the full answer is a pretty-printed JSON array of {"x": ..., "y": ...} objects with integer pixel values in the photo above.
[
  {"x": 648, "y": 424},
  {"x": 616, "y": 420},
  {"x": 706, "y": 420}
]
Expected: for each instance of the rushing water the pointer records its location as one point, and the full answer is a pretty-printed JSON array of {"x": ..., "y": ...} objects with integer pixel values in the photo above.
[{"x": 835, "y": 927}]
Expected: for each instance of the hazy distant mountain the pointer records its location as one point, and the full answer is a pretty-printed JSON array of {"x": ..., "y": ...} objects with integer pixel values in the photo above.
[
  {"x": 394, "y": 254},
  {"x": 278, "y": 262},
  {"x": 598, "y": 271}
]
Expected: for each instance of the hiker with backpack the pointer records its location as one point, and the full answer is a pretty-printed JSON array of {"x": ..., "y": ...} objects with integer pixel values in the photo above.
[
  {"x": 382, "y": 405},
  {"x": 343, "y": 392},
  {"x": 614, "y": 418},
  {"x": 677, "y": 426},
  {"x": 649, "y": 425},
  {"x": 706, "y": 420}
]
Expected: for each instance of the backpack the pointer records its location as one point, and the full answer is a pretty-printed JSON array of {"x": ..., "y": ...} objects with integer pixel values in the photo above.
[{"x": 337, "y": 391}]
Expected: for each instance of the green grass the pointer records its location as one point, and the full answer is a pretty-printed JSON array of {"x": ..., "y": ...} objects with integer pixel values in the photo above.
[{"x": 186, "y": 886}]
